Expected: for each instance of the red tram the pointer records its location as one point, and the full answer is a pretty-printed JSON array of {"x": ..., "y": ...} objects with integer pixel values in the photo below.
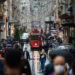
[{"x": 35, "y": 41}]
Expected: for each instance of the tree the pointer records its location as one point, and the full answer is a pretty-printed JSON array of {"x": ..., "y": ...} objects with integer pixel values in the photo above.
[
  {"x": 22, "y": 30},
  {"x": 16, "y": 35}
]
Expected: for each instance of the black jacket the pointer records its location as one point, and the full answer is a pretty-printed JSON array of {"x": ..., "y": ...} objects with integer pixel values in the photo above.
[
  {"x": 27, "y": 55},
  {"x": 26, "y": 68},
  {"x": 42, "y": 56},
  {"x": 49, "y": 69}
]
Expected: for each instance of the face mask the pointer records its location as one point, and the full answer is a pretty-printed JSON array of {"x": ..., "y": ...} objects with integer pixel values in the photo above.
[{"x": 59, "y": 69}]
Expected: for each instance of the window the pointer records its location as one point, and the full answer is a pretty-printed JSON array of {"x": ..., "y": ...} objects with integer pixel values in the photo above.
[
  {"x": 35, "y": 37},
  {"x": 23, "y": 8}
]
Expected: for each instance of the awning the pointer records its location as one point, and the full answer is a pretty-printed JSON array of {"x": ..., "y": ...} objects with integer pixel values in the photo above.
[
  {"x": 69, "y": 24},
  {"x": 64, "y": 16},
  {"x": 48, "y": 22}
]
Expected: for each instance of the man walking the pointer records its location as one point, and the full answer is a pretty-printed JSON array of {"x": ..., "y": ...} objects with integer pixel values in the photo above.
[
  {"x": 59, "y": 66},
  {"x": 26, "y": 54}
]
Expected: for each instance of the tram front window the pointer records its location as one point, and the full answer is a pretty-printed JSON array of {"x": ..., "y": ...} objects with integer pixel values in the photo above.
[{"x": 37, "y": 37}]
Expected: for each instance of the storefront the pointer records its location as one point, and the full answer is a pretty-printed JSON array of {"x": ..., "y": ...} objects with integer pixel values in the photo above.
[
  {"x": 67, "y": 21},
  {"x": 68, "y": 30}
]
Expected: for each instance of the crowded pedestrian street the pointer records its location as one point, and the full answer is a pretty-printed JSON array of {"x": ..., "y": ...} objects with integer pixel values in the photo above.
[{"x": 37, "y": 37}]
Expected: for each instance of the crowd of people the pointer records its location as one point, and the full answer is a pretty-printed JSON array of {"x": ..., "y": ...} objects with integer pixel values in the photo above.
[
  {"x": 15, "y": 61},
  {"x": 57, "y": 65}
]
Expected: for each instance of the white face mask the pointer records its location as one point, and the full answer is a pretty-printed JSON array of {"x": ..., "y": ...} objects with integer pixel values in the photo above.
[{"x": 59, "y": 69}]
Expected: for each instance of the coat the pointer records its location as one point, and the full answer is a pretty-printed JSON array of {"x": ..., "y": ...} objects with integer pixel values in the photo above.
[
  {"x": 49, "y": 69},
  {"x": 26, "y": 55},
  {"x": 26, "y": 68}
]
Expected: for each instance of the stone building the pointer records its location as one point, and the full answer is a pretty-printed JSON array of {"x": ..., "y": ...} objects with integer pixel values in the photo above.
[
  {"x": 40, "y": 10},
  {"x": 21, "y": 12},
  {"x": 62, "y": 13},
  {"x": 3, "y": 15},
  {"x": 67, "y": 18}
]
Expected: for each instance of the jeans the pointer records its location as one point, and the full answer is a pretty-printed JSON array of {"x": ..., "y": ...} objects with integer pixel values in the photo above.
[{"x": 43, "y": 64}]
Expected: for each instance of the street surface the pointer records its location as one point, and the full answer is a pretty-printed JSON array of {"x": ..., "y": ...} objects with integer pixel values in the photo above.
[{"x": 35, "y": 63}]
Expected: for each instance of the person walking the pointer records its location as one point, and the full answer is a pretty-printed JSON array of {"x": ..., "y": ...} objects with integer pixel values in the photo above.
[
  {"x": 50, "y": 68},
  {"x": 72, "y": 71},
  {"x": 59, "y": 66},
  {"x": 0, "y": 46},
  {"x": 50, "y": 49},
  {"x": 1, "y": 64},
  {"x": 12, "y": 62},
  {"x": 42, "y": 60},
  {"x": 26, "y": 69},
  {"x": 26, "y": 54}
]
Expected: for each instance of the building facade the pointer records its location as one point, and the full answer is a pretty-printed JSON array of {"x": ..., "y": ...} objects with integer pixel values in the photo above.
[
  {"x": 40, "y": 10},
  {"x": 62, "y": 13},
  {"x": 21, "y": 12},
  {"x": 67, "y": 19},
  {"x": 3, "y": 17}
]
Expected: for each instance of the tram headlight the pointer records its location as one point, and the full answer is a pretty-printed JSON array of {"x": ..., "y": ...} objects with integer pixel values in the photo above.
[{"x": 35, "y": 44}]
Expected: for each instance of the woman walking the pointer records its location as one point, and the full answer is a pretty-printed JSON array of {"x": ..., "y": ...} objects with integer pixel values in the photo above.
[{"x": 42, "y": 60}]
